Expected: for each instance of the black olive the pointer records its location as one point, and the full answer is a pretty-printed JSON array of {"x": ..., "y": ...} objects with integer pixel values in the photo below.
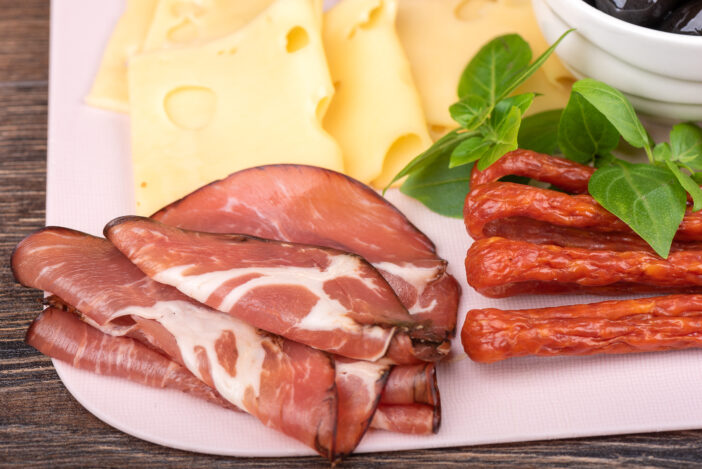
[
  {"x": 686, "y": 19},
  {"x": 641, "y": 12}
]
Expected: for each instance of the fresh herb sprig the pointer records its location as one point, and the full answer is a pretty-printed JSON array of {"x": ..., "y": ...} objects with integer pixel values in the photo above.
[
  {"x": 489, "y": 121},
  {"x": 650, "y": 198}
]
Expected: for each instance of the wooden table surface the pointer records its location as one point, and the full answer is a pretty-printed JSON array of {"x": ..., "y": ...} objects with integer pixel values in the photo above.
[{"x": 42, "y": 425}]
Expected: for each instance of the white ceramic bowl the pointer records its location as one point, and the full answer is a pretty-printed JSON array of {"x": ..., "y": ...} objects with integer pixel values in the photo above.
[{"x": 661, "y": 73}]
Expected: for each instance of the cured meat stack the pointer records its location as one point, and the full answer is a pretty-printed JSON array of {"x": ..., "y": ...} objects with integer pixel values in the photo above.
[
  {"x": 292, "y": 293},
  {"x": 534, "y": 240}
]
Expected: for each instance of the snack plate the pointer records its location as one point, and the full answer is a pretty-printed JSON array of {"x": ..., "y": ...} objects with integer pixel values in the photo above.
[{"x": 89, "y": 183}]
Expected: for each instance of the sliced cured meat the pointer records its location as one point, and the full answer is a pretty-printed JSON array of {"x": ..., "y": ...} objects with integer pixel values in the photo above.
[
  {"x": 412, "y": 384},
  {"x": 61, "y": 335},
  {"x": 410, "y": 402},
  {"x": 314, "y": 206},
  {"x": 499, "y": 267},
  {"x": 321, "y": 297},
  {"x": 566, "y": 174},
  {"x": 359, "y": 385},
  {"x": 642, "y": 325},
  {"x": 309, "y": 205},
  {"x": 287, "y": 385},
  {"x": 415, "y": 419},
  {"x": 303, "y": 204}
]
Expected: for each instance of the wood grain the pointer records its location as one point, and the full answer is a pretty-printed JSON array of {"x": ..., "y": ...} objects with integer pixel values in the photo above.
[{"x": 41, "y": 425}]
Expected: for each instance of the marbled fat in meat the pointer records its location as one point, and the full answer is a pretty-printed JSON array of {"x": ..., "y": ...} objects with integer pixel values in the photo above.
[{"x": 288, "y": 386}]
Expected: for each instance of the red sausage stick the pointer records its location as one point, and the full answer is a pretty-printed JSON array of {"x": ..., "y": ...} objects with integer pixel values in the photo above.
[{"x": 643, "y": 325}]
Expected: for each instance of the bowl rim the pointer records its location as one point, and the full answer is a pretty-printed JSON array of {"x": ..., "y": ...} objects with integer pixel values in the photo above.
[
  {"x": 652, "y": 79},
  {"x": 594, "y": 14}
]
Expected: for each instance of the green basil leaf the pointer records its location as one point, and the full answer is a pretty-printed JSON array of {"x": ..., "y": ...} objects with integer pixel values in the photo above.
[
  {"x": 443, "y": 146},
  {"x": 441, "y": 189},
  {"x": 492, "y": 71},
  {"x": 618, "y": 110},
  {"x": 690, "y": 186},
  {"x": 647, "y": 198},
  {"x": 604, "y": 160},
  {"x": 584, "y": 131},
  {"x": 539, "y": 132},
  {"x": 504, "y": 138},
  {"x": 522, "y": 101},
  {"x": 468, "y": 151},
  {"x": 686, "y": 145},
  {"x": 470, "y": 111},
  {"x": 685, "y": 141},
  {"x": 662, "y": 153},
  {"x": 529, "y": 71}
]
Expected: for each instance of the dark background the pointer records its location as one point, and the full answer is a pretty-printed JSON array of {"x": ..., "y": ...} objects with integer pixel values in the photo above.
[{"x": 42, "y": 425}]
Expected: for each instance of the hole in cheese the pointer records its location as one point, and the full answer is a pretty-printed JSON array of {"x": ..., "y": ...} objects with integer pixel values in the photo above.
[
  {"x": 296, "y": 39},
  {"x": 190, "y": 107},
  {"x": 373, "y": 17},
  {"x": 231, "y": 51},
  {"x": 369, "y": 20},
  {"x": 469, "y": 10},
  {"x": 183, "y": 32},
  {"x": 566, "y": 82},
  {"x": 321, "y": 108},
  {"x": 437, "y": 131}
]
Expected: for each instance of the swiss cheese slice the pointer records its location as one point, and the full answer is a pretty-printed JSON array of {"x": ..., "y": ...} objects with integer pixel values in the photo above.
[
  {"x": 441, "y": 36},
  {"x": 255, "y": 97},
  {"x": 179, "y": 23},
  {"x": 376, "y": 113},
  {"x": 109, "y": 89}
]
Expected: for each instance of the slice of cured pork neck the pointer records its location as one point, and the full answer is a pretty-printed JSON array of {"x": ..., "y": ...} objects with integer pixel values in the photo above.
[
  {"x": 309, "y": 205},
  {"x": 315, "y": 206},
  {"x": 60, "y": 334},
  {"x": 288, "y": 386},
  {"x": 415, "y": 419},
  {"x": 325, "y": 298}
]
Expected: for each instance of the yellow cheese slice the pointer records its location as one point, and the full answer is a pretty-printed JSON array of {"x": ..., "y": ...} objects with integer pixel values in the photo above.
[
  {"x": 180, "y": 23},
  {"x": 376, "y": 114},
  {"x": 441, "y": 36},
  {"x": 109, "y": 89},
  {"x": 255, "y": 97}
]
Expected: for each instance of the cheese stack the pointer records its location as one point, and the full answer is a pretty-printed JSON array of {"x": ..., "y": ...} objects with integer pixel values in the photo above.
[
  {"x": 253, "y": 97},
  {"x": 216, "y": 86}
]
